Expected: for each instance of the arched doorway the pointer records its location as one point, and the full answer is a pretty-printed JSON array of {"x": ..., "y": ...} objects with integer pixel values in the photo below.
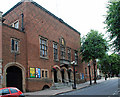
[
  {"x": 70, "y": 75},
  {"x": 63, "y": 77},
  {"x": 14, "y": 77},
  {"x": 64, "y": 74},
  {"x": 55, "y": 76}
]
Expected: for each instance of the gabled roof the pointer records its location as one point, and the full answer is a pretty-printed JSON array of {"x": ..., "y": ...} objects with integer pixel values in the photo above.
[
  {"x": 45, "y": 10},
  {"x": 12, "y": 8}
]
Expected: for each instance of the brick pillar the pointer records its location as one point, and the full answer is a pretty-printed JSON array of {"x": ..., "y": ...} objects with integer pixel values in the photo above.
[{"x": 0, "y": 49}]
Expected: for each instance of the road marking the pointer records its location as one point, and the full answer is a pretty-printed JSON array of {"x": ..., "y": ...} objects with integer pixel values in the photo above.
[{"x": 114, "y": 94}]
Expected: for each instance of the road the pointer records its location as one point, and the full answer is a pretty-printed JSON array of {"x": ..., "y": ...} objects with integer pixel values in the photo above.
[{"x": 109, "y": 87}]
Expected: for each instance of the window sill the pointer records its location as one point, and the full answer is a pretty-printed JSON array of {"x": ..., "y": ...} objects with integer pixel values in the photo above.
[
  {"x": 44, "y": 57},
  {"x": 56, "y": 60},
  {"x": 17, "y": 52}
]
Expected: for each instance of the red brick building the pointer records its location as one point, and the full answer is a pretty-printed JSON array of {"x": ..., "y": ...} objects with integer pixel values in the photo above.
[
  {"x": 86, "y": 71},
  {"x": 37, "y": 48}
]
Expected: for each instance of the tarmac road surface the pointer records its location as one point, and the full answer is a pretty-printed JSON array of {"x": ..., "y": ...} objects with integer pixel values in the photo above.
[{"x": 109, "y": 87}]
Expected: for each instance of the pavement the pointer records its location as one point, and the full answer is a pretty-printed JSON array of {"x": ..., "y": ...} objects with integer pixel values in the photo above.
[{"x": 65, "y": 89}]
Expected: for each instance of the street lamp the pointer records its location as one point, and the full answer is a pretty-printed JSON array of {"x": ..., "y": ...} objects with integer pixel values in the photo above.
[
  {"x": 89, "y": 74},
  {"x": 74, "y": 63}
]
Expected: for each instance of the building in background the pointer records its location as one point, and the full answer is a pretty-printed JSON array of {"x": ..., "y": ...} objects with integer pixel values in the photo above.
[
  {"x": 86, "y": 71},
  {"x": 37, "y": 48}
]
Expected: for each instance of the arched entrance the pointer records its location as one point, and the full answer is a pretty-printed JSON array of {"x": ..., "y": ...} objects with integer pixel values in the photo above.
[
  {"x": 70, "y": 75},
  {"x": 64, "y": 74},
  {"x": 63, "y": 77},
  {"x": 21, "y": 67},
  {"x": 14, "y": 77},
  {"x": 56, "y": 74}
]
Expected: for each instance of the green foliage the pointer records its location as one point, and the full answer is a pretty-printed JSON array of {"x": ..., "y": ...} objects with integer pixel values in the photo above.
[
  {"x": 105, "y": 63},
  {"x": 93, "y": 46},
  {"x": 110, "y": 63},
  {"x": 113, "y": 23},
  {"x": 115, "y": 63}
]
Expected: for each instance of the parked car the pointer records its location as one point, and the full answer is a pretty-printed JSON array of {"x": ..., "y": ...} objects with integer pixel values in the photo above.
[{"x": 10, "y": 92}]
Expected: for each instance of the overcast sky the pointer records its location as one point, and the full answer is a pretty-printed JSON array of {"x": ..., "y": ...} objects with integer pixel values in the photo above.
[{"x": 82, "y": 15}]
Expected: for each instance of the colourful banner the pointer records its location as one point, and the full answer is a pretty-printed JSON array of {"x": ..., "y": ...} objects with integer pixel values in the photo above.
[
  {"x": 32, "y": 72},
  {"x": 38, "y": 74},
  {"x": 82, "y": 75}
]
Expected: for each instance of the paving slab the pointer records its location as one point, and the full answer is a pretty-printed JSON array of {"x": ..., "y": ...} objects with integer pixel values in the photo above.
[{"x": 64, "y": 89}]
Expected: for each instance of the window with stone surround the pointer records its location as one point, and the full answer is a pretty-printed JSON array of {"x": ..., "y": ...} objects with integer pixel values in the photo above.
[
  {"x": 44, "y": 73},
  {"x": 15, "y": 24},
  {"x": 43, "y": 47},
  {"x": 69, "y": 54},
  {"x": 62, "y": 48},
  {"x": 55, "y": 50},
  {"x": 15, "y": 45}
]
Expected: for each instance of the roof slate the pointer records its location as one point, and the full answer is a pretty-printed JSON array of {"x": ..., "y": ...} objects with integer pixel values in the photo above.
[{"x": 36, "y": 4}]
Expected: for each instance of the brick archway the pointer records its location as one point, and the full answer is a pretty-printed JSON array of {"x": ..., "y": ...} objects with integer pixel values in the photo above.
[
  {"x": 14, "y": 77},
  {"x": 70, "y": 74},
  {"x": 64, "y": 74},
  {"x": 23, "y": 74},
  {"x": 58, "y": 74}
]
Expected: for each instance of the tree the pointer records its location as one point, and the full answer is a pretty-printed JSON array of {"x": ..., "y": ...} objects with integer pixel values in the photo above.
[
  {"x": 113, "y": 23},
  {"x": 115, "y": 63},
  {"x": 110, "y": 64},
  {"x": 93, "y": 46},
  {"x": 105, "y": 63}
]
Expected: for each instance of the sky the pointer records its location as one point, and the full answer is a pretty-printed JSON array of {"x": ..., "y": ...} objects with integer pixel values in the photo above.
[{"x": 83, "y": 15}]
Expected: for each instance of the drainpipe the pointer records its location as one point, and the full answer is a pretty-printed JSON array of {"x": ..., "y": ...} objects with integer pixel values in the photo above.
[
  {"x": 1, "y": 49},
  {"x": 22, "y": 25}
]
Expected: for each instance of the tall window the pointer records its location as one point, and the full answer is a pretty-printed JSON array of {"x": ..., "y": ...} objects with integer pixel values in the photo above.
[
  {"x": 46, "y": 74},
  {"x": 76, "y": 57},
  {"x": 42, "y": 73},
  {"x": 62, "y": 48},
  {"x": 62, "y": 52},
  {"x": 43, "y": 47},
  {"x": 14, "y": 45},
  {"x": 55, "y": 48},
  {"x": 69, "y": 54}
]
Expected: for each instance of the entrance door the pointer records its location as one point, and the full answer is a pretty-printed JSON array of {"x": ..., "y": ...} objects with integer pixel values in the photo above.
[
  {"x": 62, "y": 72},
  {"x": 69, "y": 76},
  {"x": 14, "y": 77},
  {"x": 55, "y": 76}
]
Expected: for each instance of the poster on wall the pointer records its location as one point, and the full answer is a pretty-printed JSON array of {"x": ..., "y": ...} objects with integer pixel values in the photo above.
[
  {"x": 82, "y": 75},
  {"x": 32, "y": 72},
  {"x": 38, "y": 75}
]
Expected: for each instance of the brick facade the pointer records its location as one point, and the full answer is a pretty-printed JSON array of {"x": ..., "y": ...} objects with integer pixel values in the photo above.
[
  {"x": 91, "y": 70},
  {"x": 38, "y": 22}
]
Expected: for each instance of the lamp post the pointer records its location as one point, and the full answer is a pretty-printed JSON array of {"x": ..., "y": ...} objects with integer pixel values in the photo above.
[
  {"x": 74, "y": 85},
  {"x": 89, "y": 74}
]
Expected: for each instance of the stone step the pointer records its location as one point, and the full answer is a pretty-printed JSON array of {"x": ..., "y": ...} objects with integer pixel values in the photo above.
[{"x": 60, "y": 85}]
